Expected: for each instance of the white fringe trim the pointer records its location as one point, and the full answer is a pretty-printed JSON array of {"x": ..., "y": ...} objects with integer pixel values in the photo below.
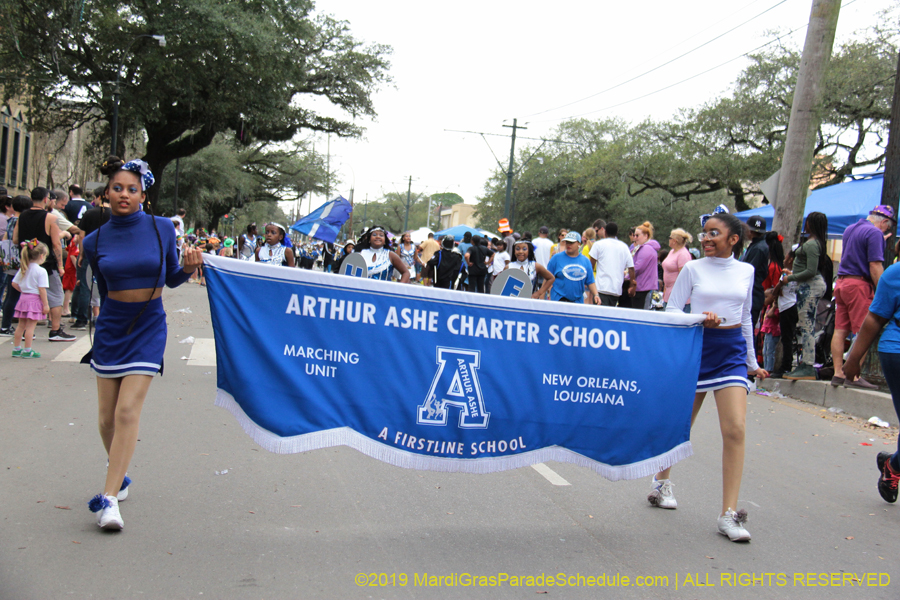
[{"x": 344, "y": 436}]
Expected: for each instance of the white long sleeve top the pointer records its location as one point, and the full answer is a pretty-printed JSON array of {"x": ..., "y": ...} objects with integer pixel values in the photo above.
[{"x": 723, "y": 286}]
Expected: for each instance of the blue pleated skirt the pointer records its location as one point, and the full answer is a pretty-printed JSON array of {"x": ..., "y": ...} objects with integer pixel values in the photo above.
[
  {"x": 723, "y": 362},
  {"x": 117, "y": 353}
]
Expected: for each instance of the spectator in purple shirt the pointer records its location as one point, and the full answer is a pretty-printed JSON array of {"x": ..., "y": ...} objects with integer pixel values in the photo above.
[
  {"x": 858, "y": 274},
  {"x": 645, "y": 264}
]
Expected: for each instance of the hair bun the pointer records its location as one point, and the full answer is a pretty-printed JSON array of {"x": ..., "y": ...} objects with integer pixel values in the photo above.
[{"x": 111, "y": 165}]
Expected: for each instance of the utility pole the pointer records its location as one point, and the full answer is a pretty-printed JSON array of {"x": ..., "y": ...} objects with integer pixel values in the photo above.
[
  {"x": 351, "y": 213},
  {"x": 177, "y": 171},
  {"x": 327, "y": 171},
  {"x": 796, "y": 165},
  {"x": 408, "y": 193},
  {"x": 509, "y": 173},
  {"x": 512, "y": 210},
  {"x": 366, "y": 211},
  {"x": 890, "y": 188}
]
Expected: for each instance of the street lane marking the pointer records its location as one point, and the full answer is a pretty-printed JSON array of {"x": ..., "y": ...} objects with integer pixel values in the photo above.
[
  {"x": 549, "y": 474},
  {"x": 203, "y": 353},
  {"x": 74, "y": 350}
]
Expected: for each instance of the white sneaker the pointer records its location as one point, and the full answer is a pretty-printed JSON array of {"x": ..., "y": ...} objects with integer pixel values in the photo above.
[
  {"x": 123, "y": 492},
  {"x": 732, "y": 525},
  {"x": 109, "y": 517},
  {"x": 661, "y": 495}
]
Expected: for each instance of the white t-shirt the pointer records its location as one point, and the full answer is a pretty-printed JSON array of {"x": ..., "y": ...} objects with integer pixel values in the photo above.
[
  {"x": 61, "y": 221},
  {"x": 723, "y": 286},
  {"x": 33, "y": 279},
  {"x": 788, "y": 296},
  {"x": 500, "y": 260},
  {"x": 612, "y": 257},
  {"x": 542, "y": 250}
]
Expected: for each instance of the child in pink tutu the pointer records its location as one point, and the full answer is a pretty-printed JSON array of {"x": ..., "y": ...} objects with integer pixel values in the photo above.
[{"x": 31, "y": 281}]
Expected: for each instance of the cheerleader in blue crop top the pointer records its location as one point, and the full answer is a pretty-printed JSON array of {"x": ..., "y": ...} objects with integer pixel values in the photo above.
[
  {"x": 130, "y": 338},
  {"x": 721, "y": 288}
]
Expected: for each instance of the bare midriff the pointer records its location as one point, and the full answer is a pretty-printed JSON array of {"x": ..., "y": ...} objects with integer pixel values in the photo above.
[{"x": 139, "y": 295}]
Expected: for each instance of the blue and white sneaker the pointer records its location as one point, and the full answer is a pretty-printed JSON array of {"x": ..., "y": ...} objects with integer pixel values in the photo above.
[
  {"x": 107, "y": 509},
  {"x": 123, "y": 491},
  {"x": 661, "y": 496}
]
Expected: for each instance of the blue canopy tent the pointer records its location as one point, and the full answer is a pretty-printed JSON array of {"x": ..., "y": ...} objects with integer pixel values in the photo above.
[
  {"x": 843, "y": 204},
  {"x": 325, "y": 222},
  {"x": 458, "y": 232}
]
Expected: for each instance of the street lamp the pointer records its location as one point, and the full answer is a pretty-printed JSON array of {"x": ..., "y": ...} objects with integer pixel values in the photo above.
[{"x": 161, "y": 39}]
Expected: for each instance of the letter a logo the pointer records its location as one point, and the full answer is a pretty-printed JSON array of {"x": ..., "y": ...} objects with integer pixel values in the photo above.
[{"x": 455, "y": 385}]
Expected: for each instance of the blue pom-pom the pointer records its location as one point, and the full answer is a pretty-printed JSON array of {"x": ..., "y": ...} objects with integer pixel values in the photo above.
[
  {"x": 125, "y": 483},
  {"x": 98, "y": 503}
]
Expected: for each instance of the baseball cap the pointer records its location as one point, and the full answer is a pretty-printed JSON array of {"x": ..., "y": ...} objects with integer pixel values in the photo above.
[
  {"x": 544, "y": 229},
  {"x": 573, "y": 236},
  {"x": 885, "y": 211},
  {"x": 757, "y": 224}
]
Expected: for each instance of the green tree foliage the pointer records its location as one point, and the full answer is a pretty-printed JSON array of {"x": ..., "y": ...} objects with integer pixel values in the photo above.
[
  {"x": 670, "y": 172},
  {"x": 261, "y": 212},
  {"x": 254, "y": 69},
  {"x": 735, "y": 142},
  {"x": 226, "y": 176}
]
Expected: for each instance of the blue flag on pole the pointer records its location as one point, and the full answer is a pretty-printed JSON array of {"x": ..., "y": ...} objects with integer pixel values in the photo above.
[
  {"x": 437, "y": 379},
  {"x": 325, "y": 222}
]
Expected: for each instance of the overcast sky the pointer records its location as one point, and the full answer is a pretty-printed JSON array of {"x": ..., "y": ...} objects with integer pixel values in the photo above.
[{"x": 475, "y": 66}]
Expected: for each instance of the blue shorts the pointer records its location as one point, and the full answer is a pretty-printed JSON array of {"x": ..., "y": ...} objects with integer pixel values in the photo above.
[
  {"x": 723, "y": 362},
  {"x": 117, "y": 353}
]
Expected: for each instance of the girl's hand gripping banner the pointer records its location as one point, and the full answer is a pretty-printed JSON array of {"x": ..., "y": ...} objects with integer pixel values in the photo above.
[{"x": 444, "y": 380}]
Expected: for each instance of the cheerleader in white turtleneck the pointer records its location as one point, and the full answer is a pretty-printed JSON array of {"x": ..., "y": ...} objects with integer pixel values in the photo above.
[
  {"x": 720, "y": 287},
  {"x": 380, "y": 260}
]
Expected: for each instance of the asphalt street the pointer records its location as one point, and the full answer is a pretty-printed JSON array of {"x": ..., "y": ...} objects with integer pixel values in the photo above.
[{"x": 211, "y": 515}]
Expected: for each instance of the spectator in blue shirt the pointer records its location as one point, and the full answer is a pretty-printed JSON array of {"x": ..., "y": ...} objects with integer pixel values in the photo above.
[{"x": 573, "y": 273}]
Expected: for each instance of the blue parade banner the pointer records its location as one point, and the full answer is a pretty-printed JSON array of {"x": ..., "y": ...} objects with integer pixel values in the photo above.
[{"x": 443, "y": 380}]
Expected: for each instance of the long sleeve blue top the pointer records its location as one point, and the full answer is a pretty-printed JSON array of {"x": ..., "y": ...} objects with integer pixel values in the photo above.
[{"x": 126, "y": 256}]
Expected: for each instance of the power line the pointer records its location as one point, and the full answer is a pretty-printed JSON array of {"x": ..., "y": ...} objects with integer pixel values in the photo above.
[
  {"x": 677, "y": 82},
  {"x": 687, "y": 39},
  {"x": 777, "y": 39},
  {"x": 656, "y": 68}
]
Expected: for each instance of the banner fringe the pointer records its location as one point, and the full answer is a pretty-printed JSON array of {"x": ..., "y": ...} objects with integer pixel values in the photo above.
[{"x": 344, "y": 436}]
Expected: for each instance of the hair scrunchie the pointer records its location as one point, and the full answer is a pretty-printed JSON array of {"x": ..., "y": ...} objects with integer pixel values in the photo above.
[
  {"x": 717, "y": 211},
  {"x": 142, "y": 169}
]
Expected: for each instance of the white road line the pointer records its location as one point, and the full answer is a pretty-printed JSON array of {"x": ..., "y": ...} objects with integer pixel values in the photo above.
[
  {"x": 203, "y": 353},
  {"x": 74, "y": 350},
  {"x": 549, "y": 474}
]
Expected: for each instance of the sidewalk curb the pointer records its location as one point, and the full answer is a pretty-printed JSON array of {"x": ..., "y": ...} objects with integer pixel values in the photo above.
[{"x": 859, "y": 403}]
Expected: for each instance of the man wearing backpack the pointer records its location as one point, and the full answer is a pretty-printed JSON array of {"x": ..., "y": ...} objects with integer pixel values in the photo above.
[{"x": 447, "y": 266}]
